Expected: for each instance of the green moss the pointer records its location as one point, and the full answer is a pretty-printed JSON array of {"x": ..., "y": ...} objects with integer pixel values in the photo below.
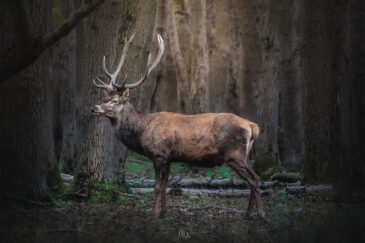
[
  {"x": 103, "y": 193},
  {"x": 188, "y": 71},
  {"x": 54, "y": 180},
  {"x": 55, "y": 202}
]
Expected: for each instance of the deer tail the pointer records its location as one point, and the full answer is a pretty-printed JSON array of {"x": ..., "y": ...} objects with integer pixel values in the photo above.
[{"x": 255, "y": 131}]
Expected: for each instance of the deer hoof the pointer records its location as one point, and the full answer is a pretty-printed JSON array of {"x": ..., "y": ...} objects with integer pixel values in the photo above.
[{"x": 262, "y": 215}]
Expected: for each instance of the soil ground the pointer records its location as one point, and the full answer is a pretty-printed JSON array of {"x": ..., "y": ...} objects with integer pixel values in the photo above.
[
  {"x": 300, "y": 218},
  {"x": 308, "y": 217}
]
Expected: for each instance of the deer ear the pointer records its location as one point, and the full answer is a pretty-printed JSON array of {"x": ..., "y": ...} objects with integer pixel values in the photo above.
[{"x": 126, "y": 93}]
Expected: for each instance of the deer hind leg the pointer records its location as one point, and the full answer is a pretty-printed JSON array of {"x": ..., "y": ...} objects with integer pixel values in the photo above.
[
  {"x": 251, "y": 204},
  {"x": 257, "y": 195},
  {"x": 165, "y": 178},
  {"x": 161, "y": 173},
  {"x": 244, "y": 170}
]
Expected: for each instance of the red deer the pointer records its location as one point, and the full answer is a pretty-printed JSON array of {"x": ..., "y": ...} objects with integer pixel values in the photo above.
[{"x": 204, "y": 140}]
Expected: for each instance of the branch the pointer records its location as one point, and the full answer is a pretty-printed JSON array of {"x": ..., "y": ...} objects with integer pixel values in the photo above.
[
  {"x": 12, "y": 63},
  {"x": 69, "y": 24}
]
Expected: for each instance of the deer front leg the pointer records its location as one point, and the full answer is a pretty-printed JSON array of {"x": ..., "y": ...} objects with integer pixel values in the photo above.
[{"x": 158, "y": 181}]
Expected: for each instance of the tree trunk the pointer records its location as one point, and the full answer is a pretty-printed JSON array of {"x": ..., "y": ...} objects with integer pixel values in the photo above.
[
  {"x": 26, "y": 145},
  {"x": 290, "y": 131},
  {"x": 66, "y": 130},
  {"x": 320, "y": 113},
  {"x": 266, "y": 18},
  {"x": 350, "y": 168},
  {"x": 199, "y": 63},
  {"x": 183, "y": 84},
  {"x": 103, "y": 34},
  {"x": 159, "y": 92},
  {"x": 250, "y": 64}
]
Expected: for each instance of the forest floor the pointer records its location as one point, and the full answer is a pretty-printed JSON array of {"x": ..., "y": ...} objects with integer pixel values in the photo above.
[
  {"x": 304, "y": 217},
  {"x": 301, "y": 218}
]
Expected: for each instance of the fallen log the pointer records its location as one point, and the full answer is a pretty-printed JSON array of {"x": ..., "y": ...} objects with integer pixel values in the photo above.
[
  {"x": 67, "y": 177},
  {"x": 295, "y": 189},
  {"x": 268, "y": 184},
  {"x": 191, "y": 191},
  {"x": 287, "y": 177},
  {"x": 178, "y": 182},
  {"x": 303, "y": 189},
  {"x": 319, "y": 188},
  {"x": 141, "y": 183}
]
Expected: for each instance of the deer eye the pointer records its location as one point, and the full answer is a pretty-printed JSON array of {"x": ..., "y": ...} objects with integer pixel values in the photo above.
[{"x": 114, "y": 101}]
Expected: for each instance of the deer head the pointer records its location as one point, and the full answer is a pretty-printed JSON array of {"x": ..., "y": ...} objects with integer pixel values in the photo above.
[{"x": 118, "y": 95}]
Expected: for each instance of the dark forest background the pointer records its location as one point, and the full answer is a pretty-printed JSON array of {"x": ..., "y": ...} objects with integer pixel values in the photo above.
[{"x": 295, "y": 67}]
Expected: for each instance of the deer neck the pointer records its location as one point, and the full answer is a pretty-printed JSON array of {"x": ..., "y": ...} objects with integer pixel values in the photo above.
[{"x": 128, "y": 125}]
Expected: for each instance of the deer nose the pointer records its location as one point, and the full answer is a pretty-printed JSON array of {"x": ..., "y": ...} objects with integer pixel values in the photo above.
[{"x": 93, "y": 108}]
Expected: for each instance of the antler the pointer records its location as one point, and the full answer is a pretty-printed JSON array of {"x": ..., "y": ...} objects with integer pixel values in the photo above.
[
  {"x": 113, "y": 77},
  {"x": 161, "y": 46}
]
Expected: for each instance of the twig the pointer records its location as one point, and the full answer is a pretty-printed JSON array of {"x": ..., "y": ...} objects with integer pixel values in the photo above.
[
  {"x": 130, "y": 195},
  {"x": 136, "y": 160},
  {"x": 25, "y": 200},
  {"x": 78, "y": 194}
]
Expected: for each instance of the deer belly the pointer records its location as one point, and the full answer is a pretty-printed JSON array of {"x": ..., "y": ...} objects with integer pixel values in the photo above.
[
  {"x": 197, "y": 159},
  {"x": 206, "y": 162}
]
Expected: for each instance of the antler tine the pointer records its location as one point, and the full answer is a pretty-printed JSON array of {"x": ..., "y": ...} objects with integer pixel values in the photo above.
[
  {"x": 148, "y": 71},
  {"x": 121, "y": 62},
  {"x": 105, "y": 70},
  {"x": 102, "y": 85},
  {"x": 113, "y": 77}
]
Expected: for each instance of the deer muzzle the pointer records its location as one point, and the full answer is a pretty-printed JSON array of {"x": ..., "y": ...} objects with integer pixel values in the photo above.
[{"x": 96, "y": 109}]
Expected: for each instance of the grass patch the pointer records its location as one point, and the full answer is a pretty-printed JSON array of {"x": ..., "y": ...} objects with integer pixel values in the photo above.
[{"x": 138, "y": 166}]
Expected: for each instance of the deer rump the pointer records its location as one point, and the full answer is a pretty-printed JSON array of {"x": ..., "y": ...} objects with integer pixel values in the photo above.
[{"x": 203, "y": 140}]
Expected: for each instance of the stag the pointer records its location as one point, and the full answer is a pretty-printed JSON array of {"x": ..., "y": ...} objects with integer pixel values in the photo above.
[{"x": 204, "y": 140}]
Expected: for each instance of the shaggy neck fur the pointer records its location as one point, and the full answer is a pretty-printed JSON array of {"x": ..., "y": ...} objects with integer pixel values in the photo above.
[{"x": 128, "y": 126}]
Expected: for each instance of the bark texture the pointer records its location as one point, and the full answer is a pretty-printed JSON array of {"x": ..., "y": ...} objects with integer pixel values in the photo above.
[
  {"x": 65, "y": 119},
  {"x": 350, "y": 167},
  {"x": 183, "y": 84},
  {"x": 267, "y": 99},
  {"x": 199, "y": 59},
  {"x": 290, "y": 127},
  {"x": 161, "y": 85},
  {"x": 320, "y": 111}
]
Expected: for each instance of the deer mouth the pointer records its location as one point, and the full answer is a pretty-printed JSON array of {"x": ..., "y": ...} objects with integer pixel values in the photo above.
[{"x": 96, "y": 110}]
